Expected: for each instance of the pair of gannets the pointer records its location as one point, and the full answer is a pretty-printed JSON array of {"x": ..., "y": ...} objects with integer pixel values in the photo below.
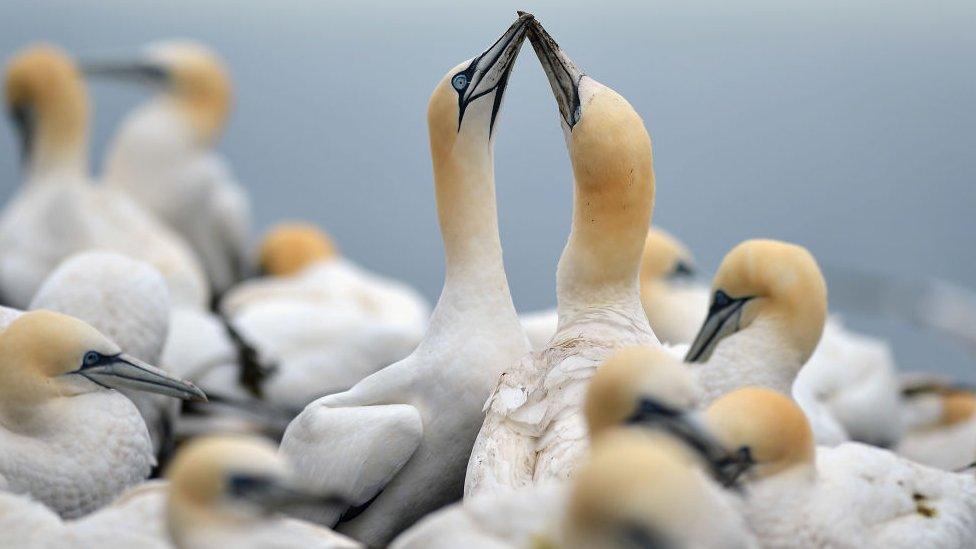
[
  {"x": 795, "y": 494},
  {"x": 397, "y": 443},
  {"x": 323, "y": 320},
  {"x": 66, "y": 437},
  {"x": 59, "y": 210},
  {"x": 675, "y": 304},
  {"x": 163, "y": 154},
  {"x": 222, "y": 491}
]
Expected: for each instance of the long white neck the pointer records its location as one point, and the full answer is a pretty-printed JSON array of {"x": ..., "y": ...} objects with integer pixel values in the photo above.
[
  {"x": 756, "y": 356},
  {"x": 154, "y": 140}
]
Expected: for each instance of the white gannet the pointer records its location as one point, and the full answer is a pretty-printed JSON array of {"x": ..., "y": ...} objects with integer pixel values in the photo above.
[
  {"x": 58, "y": 211},
  {"x": 325, "y": 322},
  {"x": 768, "y": 308},
  {"x": 163, "y": 154},
  {"x": 534, "y": 427},
  {"x": 634, "y": 490},
  {"x": 854, "y": 495},
  {"x": 397, "y": 443},
  {"x": 940, "y": 423},
  {"x": 127, "y": 301},
  {"x": 674, "y": 301},
  {"x": 851, "y": 383},
  {"x": 66, "y": 438}
]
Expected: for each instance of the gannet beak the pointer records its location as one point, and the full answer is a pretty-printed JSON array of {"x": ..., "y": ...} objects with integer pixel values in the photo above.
[
  {"x": 564, "y": 75},
  {"x": 722, "y": 320},
  {"x": 126, "y": 372},
  {"x": 691, "y": 429},
  {"x": 132, "y": 70},
  {"x": 273, "y": 495},
  {"x": 489, "y": 71}
]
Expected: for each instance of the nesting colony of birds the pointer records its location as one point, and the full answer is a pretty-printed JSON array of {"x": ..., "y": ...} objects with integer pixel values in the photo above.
[{"x": 165, "y": 381}]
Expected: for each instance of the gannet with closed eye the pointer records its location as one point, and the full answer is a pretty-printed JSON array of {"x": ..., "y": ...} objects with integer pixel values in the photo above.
[{"x": 396, "y": 444}]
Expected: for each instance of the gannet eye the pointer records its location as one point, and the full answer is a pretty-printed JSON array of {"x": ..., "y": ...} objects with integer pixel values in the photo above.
[
  {"x": 721, "y": 300},
  {"x": 460, "y": 81},
  {"x": 92, "y": 358}
]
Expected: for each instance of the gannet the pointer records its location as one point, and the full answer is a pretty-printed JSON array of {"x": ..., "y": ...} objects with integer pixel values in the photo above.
[
  {"x": 633, "y": 491},
  {"x": 397, "y": 443},
  {"x": 851, "y": 383},
  {"x": 534, "y": 428},
  {"x": 67, "y": 438},
  {"x": 58, "y": 211},
  {"x": 853, "y": 495},
  {"x": 325, "y": 322},
  {"x": 127, "y": 301},
  {"x": 674, "y": 301},
  {"x": 163, "y": 154},
  {"x": 767, "y": 312},
  {"x": 940, "y": 423}
]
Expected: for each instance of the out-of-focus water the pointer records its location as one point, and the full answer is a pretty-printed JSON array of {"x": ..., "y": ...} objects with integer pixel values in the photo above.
[{"x": 845, "y": 126}]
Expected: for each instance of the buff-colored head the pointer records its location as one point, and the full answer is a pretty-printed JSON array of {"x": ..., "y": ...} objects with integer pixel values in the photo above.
[
  {"x": 957, "y": 406},
  {"x": 288, "y": 248},
  {"x": 632, "y": 377},
  {"x": 46, "y": 98},
  {"x": 664, "y": 257},
  {"x": 766, "y": 424},
  {"x": 775, "y": 281},
  {"x": 636, "y": 491}
]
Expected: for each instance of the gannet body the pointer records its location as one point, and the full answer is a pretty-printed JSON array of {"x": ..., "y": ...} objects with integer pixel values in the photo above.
[
  {"x": 66, "y": 438},
  {"x": 163, "y": 155},
  {"x": 534, "y": 430},
  {"x": 674, "y": 302},
  {"x": 324, "y": 321},
  {"x": 766, "y": 316},
  {"x": 58, "y": 211},
  {"x": 940, "y": 423},
  {"x": 854, "y": 378},
  {"x": 127, "y": 301},
  {"x": 397, "y": 443}
]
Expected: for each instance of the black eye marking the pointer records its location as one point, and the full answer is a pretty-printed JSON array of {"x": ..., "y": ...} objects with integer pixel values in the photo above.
[
  {"x": 460, "y": 81},
  {"x": 720, "y": 301},
  {"x": 683, "y": 270},
  {"x": 92, "y": 358},
  {"x": 242, "y": 485}
]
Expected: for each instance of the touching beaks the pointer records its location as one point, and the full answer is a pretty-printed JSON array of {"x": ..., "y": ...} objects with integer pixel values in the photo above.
[
  {"x": 130, "y": 70},
  {"x": 564, "y": 76},
  {"x": 273, "y": 495},
  {"x": 723, "y": 320},
  {"x": 490, "y": 71},
  {"x": 126, "y": 372}
]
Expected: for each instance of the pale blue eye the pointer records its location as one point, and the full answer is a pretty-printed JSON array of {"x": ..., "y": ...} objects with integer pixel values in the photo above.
[
  {"x": 459, "y": 82},
  {"x": 92, "y": 358}
]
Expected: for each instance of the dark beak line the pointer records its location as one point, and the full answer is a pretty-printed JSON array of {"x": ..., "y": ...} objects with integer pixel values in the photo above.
[
  {"x": 564, "y": 75},
  {"x": 138, "y": 71},
  {"x": 712, "y": 327}
]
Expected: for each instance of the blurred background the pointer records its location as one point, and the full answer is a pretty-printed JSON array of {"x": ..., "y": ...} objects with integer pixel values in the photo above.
[{"x": 845, "y": 126}]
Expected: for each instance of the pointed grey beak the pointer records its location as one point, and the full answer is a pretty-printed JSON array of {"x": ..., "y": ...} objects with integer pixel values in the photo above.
[
  {"x": 130, "y": 70},
  {"x": 126, "y": 372},
  {"x": 564, "y": 76},
  {"x": 722, "y": 321},
  {"x": 273, "y": 495}
]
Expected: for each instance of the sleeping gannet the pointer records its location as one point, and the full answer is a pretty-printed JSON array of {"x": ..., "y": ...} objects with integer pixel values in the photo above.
[
  {"x": 127, "y": 301},
  {"x": 58, "y": 211},
  {"x": 767, "y": 312},
  {"x": 324, "y": 321},
  {"x": 634, "y": 490},
  {"x": 534, "y": 428},
  {"x": 397, "y": 443},
  {"x": 163, "y": 154},
  {"x": 67, "y": 438},
  {"x": 674, "y": 301},
  {"x": 940, "y": 424},
  {"x": 798, "y": 495}
]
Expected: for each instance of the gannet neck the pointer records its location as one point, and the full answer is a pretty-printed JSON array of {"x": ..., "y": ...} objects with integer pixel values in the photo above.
[
  {"x": 47, "y": 97},
  {"x": 613, "y": 199}
]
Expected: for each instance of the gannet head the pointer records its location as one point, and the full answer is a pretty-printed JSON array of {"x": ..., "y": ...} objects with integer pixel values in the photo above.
[
  {"x": 767, "y": 279},
  {"x": 190, "y": 73},
  {"x": 48, "y": 104},
  {"x": 633, "y": 381},
  {"x": 464, "y": 106},
  {"x": 664, "y": 258},
  {"x": 635, "y": 491},
  {"x": 289, "y": 248},
  {"x": 764, "y": 431},
  {"x": 227, "y": 480},
  {"x": 44, "y": 355},
  {"x": 610, "y": 151}
]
